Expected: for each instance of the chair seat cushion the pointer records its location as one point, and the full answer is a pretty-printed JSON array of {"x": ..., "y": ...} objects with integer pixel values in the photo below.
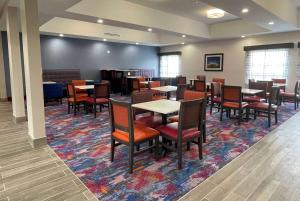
[
  {"x": 141, "y": 133},
  {"x": 78, "y": 99},
  {"x": 152, "y": 121},
  {"x": 262, "y": 106},
  {"x": 253, "y": 99},
  {"x": 159, "y": 97},
  {"x": 170, "y": 130},
  {"x": 98, "y": 100},
  {"x": 235, "y": 105},
  {"x": 217, "y": 99}
]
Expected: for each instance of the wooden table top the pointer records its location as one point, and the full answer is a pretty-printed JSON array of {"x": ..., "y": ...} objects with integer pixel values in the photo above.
[
  {"x": 83, "y": 87},
  {"x": 251, "y": 91},
  {"x": 163, "y": 106}
]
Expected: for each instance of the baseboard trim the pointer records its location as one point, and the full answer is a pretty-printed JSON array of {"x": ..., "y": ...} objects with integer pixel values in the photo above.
[
  {"x": 17, "y": 120},
  {"x": 37, "y": 143}
]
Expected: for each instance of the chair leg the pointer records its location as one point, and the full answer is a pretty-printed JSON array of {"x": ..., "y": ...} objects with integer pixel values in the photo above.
[
  {"x": 295, "y": 103},
  {"x": 276, "y": 117},
  {"x": 247, "y": 113},
  {"x": 200, "y": 148},
  {"x": 240, "y": 116},
  {"x": 131, "y": 151},
  {"x": 112, "y": 150},
  {"x": 204, "y": 133},
  {"x": 221, "y": 113},
  {"x": 269, "y": 119},
  {"x": 69, "y": 107},
  {"x": 179, "y": 156},
  {"x": 95, "y": 110},
  {"x": 157, "y": 148},
  {"x": 188, "y": 146},
  {"x": 75, "y": 108},
  {"x": 211, "y": 107},
  {"x": 151, "y": 144},
  {"x": 137, "y": 147},
  {"x": 254, "y": 115}
]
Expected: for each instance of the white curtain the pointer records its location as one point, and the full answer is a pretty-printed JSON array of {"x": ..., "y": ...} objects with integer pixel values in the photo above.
[{"x": 267, "y": 64}]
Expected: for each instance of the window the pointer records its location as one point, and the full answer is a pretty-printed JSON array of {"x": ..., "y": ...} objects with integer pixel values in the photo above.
[
  {"x": 267, "y": 64},
  {"x": 169, "y": 65}
]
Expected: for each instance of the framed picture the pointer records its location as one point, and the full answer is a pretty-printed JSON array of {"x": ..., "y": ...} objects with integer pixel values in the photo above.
[{"x": 213, "y": 62}]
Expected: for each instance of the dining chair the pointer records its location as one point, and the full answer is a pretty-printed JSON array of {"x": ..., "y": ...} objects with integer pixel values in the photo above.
[
  {"x": 144, "y": 117},
  {"x": 199, "y": 85},
  {"x": 100, "y": 97},
  {"x": 157, "y": 95},
  {"x": 187, "y": 130},
  {"x": 201, "y": 77},
  {"x": 280, "y": 81},
  {"x": 259, "y": 97},
  {"x": 194, "y": 95},
  {"x": 231, "y": 98},
  {"x": 180, "y": 91},
  {"x": 219, "y": 80},
  {"x": 269, "y": 108},
  {"x": 124, "y": 131},
  {"x": 124, "y": 86},
  {"x": 269, "y": 85},
  {"x": 215, "y": 96},
  {"x": 74, "y": 100},
  {"x": 180, "y": 80},
  {"x": 291, "y": 96},
  {"x": 135, "y": 85}
]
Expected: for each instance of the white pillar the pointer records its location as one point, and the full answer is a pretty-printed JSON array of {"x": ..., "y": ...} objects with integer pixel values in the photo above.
[
  {"x": 33, "y": 71},
  {"x": 3, "y": 94},
  {"x": 15, "y": 67}
]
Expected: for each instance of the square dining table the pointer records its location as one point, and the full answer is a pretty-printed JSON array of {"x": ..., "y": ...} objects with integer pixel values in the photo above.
[
  {"x": 164, "y": 107},
  {"x": 165, "y": 89},
  {"x": 251, "y": 91}
]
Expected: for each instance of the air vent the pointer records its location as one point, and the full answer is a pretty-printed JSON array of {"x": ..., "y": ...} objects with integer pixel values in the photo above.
[{"x": 112, "y": 34}]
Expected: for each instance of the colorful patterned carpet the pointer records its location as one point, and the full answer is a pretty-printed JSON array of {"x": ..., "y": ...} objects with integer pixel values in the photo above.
[{"x": 84, "y": 144}]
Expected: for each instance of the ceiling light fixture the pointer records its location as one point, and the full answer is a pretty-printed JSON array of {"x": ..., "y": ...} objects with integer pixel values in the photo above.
[
  {"x": 104, "y": 39},
  {"x": 182, "y": 43},
  {"x": 108, "y": 51},
  {"x": 245, "y": 10},
  {"x": 271, "y": 23},
  {"x": 100, "y": 21},
  {"x": 215, "y": 13},
  {"x": 243, "y": 36},
  {"x": 183, "y": 36},
  {"x": 61, "y": 35},
  {"x": 137, "y": 43},
  {"x": 149, "y": 29}
]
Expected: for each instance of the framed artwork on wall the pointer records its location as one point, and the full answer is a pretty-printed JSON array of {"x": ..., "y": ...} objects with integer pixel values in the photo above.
[{"x": 213, "y": 62}]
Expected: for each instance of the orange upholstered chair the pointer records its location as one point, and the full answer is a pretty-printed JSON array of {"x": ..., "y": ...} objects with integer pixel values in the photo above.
[
  {"x": 188, "y": 130},
  {"x": 199, "y": 85},
  {"x": 269, "y": 108},
  {"x": 180, "y": 80},
  {"x": 157, "y": 95},
  {"x": 215, "y": 96},
  {"x": 73, "y": 99},
  {"x": 180, "y": 91},
  {"x": 144, "y": 117},
  {"x": 100, "y": 97},
  {"x": 124, "y": 131},
  {"x": 201, "y": 77},
  {"x": 232, "y": 99},
  {"x": 219, "y": 80},
  {"x": 291, "y": 97}
]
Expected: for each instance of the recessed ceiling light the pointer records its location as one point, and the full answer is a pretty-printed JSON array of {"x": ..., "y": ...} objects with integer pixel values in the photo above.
[
  {"x": 137, "y": 43},
  {"x": 100, "y": 21},
  {"x": 183, "y": 36},
  {"x": 182, "y": 43},
  {"x": 245, "y": 10},
  {"x": 108, "y": 51},
  {"x": 271, "y": 23},
  {"x": 243, "y": 36},
  {"x": 149, "y": 29},
  {"x": 61, "y": 35},
  {"x": 104, "y": 39},
  {"x": 215, "y": 13}
]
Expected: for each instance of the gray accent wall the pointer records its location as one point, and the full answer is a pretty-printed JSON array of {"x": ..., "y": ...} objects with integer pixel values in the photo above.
[{"x": 89, "y": 56}]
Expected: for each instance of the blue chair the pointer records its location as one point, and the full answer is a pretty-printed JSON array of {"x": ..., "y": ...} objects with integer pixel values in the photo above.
[{"x": 53, "y": 92}]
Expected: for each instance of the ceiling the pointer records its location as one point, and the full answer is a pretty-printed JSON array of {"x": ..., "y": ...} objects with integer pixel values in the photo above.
[{"x": 127, "y": 21}]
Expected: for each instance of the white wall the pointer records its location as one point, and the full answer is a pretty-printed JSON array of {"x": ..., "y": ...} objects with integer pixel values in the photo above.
[{"x": 192, "y": 59}]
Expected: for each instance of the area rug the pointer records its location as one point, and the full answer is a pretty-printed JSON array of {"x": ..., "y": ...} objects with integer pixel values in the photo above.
[{"x": 83, "y": 142}]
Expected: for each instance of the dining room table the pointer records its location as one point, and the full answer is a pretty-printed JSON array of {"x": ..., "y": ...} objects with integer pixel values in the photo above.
[
  {"x": 251, "y": 92},
  {"x": 164, "y": 107},
  {"x": 84, "y": 87},
  {"x": 165, "y": 89}
]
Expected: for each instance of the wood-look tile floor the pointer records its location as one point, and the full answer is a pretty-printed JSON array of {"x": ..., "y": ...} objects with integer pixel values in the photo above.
[
  {"x": 268, "y": 171},
  {"x": 33, "y": 174}
]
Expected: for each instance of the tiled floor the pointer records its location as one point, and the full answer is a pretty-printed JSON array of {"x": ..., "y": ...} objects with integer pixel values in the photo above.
[
  {"x": 269, "y": 170},
  {"x": 33, "y": 174}
]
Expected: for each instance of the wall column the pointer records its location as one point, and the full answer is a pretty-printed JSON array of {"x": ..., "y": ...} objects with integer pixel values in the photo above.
[
  {"x": 3, "y": 94},
  {"x": 15, "y": 67},
  {"x": 33, "y": 72}
]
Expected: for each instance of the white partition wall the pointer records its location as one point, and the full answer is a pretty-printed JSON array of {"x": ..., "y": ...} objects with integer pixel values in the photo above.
[
  {"x": 33, "y": 71},
  {"x": 3, "y": 94},
  {"x": 16, "y": 78}
]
